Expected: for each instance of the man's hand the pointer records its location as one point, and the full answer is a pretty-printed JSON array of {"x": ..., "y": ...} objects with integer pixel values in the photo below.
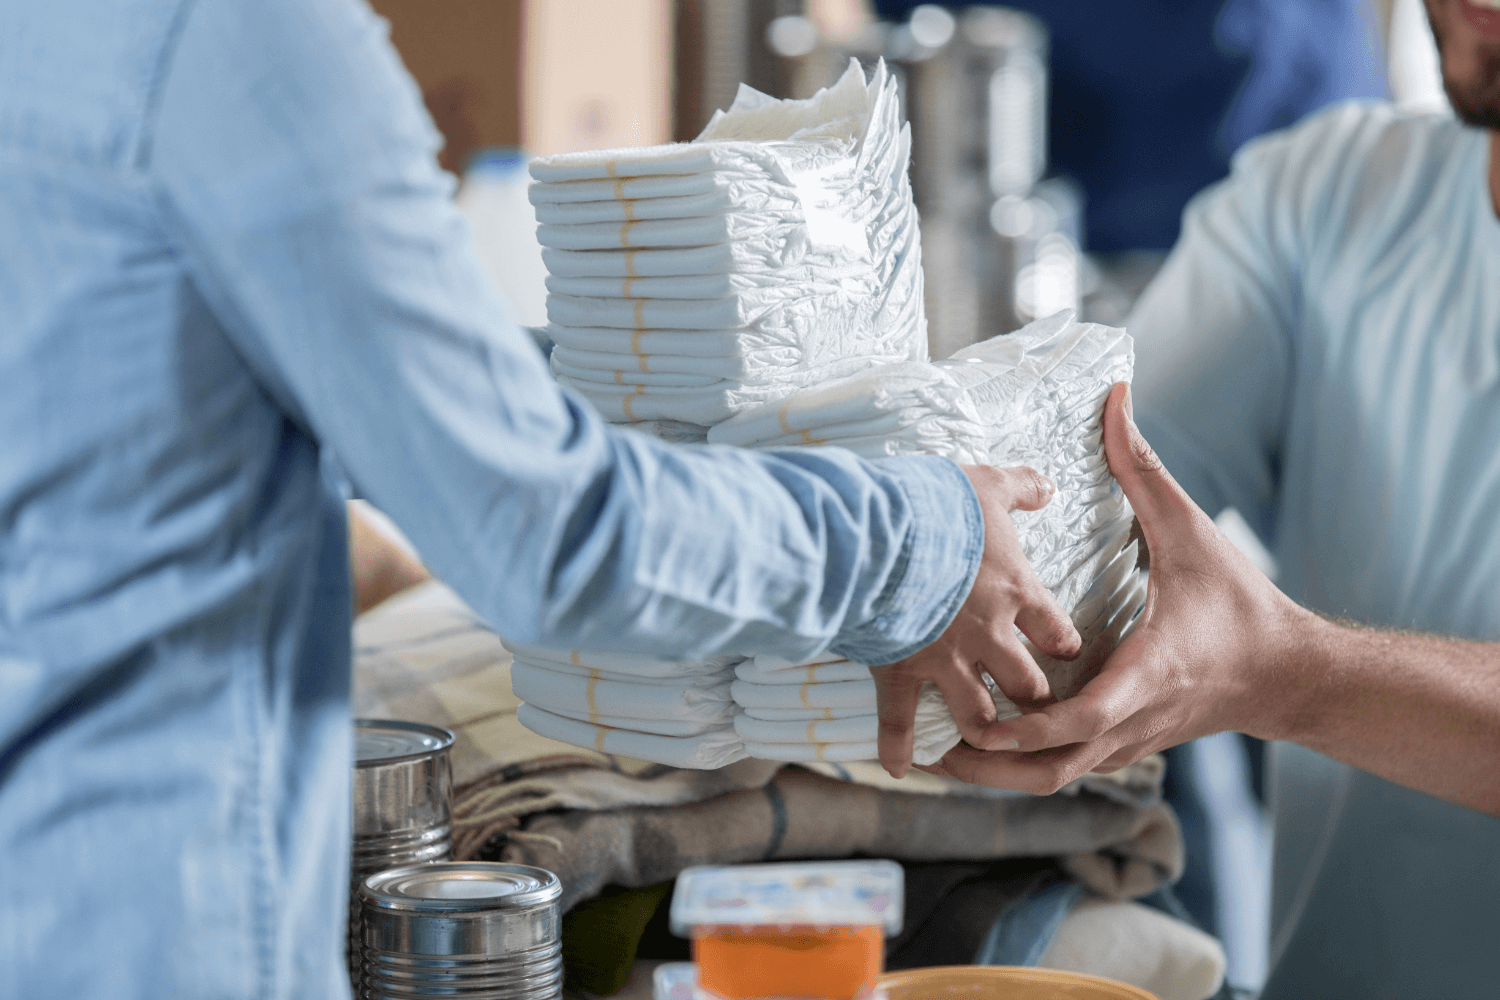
[
  {"x": 1214, "y": 637},
  {"x": 1006, "y": 595}
]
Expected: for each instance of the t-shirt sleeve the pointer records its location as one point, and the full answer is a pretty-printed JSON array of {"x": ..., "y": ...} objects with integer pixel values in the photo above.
[
  {"x": 1218, "y": 332},
  {"x": 294, "y": 164}
]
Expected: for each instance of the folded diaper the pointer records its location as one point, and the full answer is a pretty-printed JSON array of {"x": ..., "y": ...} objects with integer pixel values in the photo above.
[
  {"x": 845, "y": 730},
  {"x": 557, "y": 691},
  {"x": 634, "y": 664},
  {"x": 780, "y": 248},
  {"x": 711, "y": 749}
]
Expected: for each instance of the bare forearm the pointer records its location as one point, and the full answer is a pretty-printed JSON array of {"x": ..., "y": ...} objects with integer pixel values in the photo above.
[{"x": 1418, "y": 710}]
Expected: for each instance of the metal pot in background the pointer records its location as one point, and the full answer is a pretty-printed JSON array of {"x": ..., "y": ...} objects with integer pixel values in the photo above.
[
  {"x": 402, "y": 806},
  {"x": 462, "y": 929},
  {"x": 995, "y": 240}
]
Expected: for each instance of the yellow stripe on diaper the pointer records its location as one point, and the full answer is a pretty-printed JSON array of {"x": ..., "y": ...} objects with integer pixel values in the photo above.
[
  {"x": 599, "y": 739},
  {"x": 821, "y": 748},
  {"x": 609, "y": 168},
  {"x": 803, "y": 695},
  {"x": 828, "y": 714},
  {"x": 593, "y": 705},
  {"x": 787, "y": 428},
  {"x": 640, "y": 390},
  {"x": 630, "y": 264},
  {"x": 625, "y": 228},
  {"x": 625, "y": 288},
  {"x": 619, "y": 377},
  {"x": 619, "y": 186},
  {"x": 812, "y": 731},
  {"x": 574, "y": 657}
]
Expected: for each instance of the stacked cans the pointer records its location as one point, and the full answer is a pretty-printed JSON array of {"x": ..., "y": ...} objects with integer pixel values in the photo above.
[
  {"x": 403, "y": 790},
  {"x": 462, "y": 929}
]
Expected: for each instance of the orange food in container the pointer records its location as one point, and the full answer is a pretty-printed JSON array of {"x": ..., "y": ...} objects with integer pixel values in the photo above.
[{"x": 813, "y": 930}]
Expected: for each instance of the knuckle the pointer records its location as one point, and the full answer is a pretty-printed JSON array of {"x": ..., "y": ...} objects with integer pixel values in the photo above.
[
  {"x": 1053, "y": 779},
  {"x": 1143, "y": 455},
  {"x": 891, "y": 728}
]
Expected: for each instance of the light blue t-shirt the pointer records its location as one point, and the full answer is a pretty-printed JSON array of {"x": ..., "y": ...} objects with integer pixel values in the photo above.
[
  {"x": 1322, "y": 352},
  {"x": 227, "y": 256}
]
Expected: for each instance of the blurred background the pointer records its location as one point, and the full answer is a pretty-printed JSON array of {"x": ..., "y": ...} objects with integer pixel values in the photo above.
[{"x": 1055, "y": 144}]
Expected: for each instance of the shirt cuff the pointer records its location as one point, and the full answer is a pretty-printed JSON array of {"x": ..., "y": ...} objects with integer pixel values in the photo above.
[{"x": 938, "y": 563}]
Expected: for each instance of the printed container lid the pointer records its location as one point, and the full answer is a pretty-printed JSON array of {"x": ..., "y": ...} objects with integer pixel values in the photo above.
[
  {"x": 446, "y": 886},
  {"x": 387, "y": 741},
  {"x": 802, "y": 893}
]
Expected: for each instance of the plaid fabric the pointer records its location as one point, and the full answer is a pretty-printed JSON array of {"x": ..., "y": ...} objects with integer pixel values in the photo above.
[{"x": 597, "y": 819}]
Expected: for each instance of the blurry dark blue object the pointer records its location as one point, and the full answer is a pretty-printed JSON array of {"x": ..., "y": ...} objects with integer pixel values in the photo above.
[{"x": 1150, "y": 98}]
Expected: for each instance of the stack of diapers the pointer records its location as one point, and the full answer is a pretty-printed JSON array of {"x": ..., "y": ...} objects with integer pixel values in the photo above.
[
  {"x": 1034, "y": 397},
  {"x": 669, "y": 711},
  {"x": 690, "y": 281},
  {"x": 824, "y": 709}
]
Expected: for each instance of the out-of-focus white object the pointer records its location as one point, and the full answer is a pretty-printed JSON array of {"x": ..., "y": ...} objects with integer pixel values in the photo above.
[
  {"x": 1137, "y": 945},
  {"x": 493, "y": 200},
  {"x": 777, "y": 250},
  {"x": 798, "y": 894},
  {"x": 1412, "y": 58}
]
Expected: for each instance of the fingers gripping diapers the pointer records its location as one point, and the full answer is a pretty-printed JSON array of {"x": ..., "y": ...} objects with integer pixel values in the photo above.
[
  {"x": 761, "y": 286},
  {"x": 1035, "y": 398},
  {"x": 691, "y": 281}
]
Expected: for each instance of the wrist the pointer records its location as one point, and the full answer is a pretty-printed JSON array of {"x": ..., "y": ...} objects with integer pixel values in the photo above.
[{"x": 1293, "y": 675}]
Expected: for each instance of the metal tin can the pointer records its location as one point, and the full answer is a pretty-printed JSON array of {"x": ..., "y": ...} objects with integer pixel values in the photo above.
[
  {"x": 472, "y": 929},
  {"x": 403, "y": 792}
]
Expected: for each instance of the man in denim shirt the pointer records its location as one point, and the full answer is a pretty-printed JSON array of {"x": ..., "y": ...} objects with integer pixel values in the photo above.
[{"x": 226, "y": 256}]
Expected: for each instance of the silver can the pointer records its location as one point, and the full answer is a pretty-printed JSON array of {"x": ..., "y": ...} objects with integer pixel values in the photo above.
[
  {"x": 403, "y": 795},
  {"x": 473, "y": 929}
]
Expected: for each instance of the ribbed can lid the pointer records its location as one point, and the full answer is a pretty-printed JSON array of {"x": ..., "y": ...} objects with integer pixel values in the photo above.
[
  {"x": 387, "y": 741},
  {"x": 466, "y": 886}
]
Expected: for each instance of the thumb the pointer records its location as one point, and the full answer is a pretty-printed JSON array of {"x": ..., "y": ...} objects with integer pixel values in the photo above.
[{"x": 1159, "y": 502}]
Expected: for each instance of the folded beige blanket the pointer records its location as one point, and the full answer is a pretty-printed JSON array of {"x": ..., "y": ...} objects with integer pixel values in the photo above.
[{"x": 597, "y": 819}]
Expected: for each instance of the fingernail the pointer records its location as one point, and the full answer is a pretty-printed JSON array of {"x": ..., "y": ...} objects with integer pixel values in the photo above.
[
  {"x": 1129, "y": 407},
  {"x": 1049, "y": 486},
  {"x": 1005, "y": 745}
]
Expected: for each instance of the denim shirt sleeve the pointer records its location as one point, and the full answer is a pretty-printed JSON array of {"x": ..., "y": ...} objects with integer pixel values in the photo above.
[{"x": 294, "y": 166}]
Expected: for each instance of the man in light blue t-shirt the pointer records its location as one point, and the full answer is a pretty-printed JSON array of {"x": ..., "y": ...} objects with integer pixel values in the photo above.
[{"x": 1322, "y": 352}]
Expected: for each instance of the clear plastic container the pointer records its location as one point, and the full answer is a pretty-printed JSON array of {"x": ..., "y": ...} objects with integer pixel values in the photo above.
[{"x": 797, "y": 930}]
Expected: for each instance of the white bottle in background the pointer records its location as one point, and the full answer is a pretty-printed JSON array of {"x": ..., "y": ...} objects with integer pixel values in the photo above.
[{"x": 493, "y": 199}]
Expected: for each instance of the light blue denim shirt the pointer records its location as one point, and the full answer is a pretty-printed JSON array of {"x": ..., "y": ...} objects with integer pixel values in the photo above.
[{"x": 227, "y": 254}]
